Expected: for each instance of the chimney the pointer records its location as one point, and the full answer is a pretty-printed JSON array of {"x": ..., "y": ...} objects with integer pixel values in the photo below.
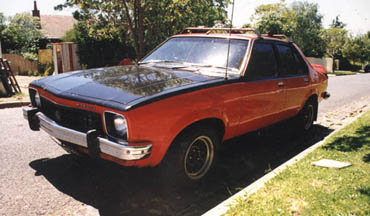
[{"x": 35, "y": 12}]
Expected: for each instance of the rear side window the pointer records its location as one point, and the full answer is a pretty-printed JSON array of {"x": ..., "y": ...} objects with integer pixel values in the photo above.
[
  {"x": 291, "y": 63},
  {"x": 262, "y": 63}
]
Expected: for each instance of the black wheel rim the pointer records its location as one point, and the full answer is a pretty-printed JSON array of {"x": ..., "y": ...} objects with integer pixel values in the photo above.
[
  {"x": 199, "y": 157},
  {"x": 308, "y": 114}
]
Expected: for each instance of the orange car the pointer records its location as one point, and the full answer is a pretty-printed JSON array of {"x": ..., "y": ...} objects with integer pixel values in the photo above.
[{"x": 181, "y": 101}]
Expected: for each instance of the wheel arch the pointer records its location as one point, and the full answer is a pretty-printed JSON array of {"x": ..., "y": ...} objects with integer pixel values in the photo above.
[{"x": 215, "y": 123}]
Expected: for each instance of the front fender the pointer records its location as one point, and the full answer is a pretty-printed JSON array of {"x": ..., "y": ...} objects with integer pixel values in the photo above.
[{"x": 162, "y": 121}]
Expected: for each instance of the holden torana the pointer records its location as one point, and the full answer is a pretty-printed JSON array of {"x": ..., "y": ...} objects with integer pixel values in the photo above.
[{"x": 178, "y": 104}]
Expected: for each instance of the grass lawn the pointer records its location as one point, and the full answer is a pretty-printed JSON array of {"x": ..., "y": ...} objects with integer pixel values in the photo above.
[
  {"x": 304, "y": 189},
  {"x": 340, "y": 73}
]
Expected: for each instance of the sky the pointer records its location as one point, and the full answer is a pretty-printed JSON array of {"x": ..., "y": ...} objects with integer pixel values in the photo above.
[
  {"x": 46, "y": 7},
  {"x": 354, "y": 13}
]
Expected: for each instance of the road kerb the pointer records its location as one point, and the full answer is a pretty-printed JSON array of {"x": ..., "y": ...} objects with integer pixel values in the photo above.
[
  {"x": 224, "y": 206},
  {"x": 14, "y": 104}
]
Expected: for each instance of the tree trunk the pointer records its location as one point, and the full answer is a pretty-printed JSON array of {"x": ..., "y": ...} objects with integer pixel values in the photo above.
[
  {"x": 333, "y": 59},
  {"x": 140, "y": 29},
  {"x": 132, "y": 28}
]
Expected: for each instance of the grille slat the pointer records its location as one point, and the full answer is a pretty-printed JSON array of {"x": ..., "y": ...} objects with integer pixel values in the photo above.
[{"x": 79, "y": 120}]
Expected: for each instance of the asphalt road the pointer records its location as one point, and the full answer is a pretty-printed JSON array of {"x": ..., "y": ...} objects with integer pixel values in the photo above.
[
  {"x": 39, "y": 178},
  {"x": 345, "y": 90}
]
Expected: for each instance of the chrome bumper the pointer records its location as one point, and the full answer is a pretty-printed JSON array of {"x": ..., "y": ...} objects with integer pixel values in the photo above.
[{"x": 121, "y": 151}]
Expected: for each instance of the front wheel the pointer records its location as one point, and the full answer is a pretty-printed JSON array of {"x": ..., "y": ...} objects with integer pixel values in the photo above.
[
  {"x": 199, "y": 157},
  {"x": 191, "y": 157}
]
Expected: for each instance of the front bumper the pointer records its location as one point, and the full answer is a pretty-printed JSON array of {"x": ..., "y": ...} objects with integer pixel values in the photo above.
[{"x": 121, "y": 151}]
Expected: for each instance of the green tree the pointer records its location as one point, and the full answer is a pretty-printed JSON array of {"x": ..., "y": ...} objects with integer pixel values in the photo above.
[
  {"x": 2, "y": 22},
  {"x": 2, "y": 27},
  {"x": 145, "y": 23},
  {"x": 301, "y": 21},
  {"x": 247, "y": 25},
  {"x": 357, "y": 49},
  {"x": 307, "y": 28},
  {"x": 69, "y": 36},
  {"x": 22, "y": 36},
  {"x": 365, "y": 57},
  {"x": 96, "y": 50},
  {"x": 335, "y": 38},
  {"x": 273, "y": 18}
]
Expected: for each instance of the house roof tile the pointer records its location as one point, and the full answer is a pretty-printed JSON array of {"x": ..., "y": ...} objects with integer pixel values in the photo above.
[{"x": 55, "y": 26}]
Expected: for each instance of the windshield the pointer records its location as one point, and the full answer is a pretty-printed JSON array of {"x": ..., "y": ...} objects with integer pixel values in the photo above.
[{"x": 200, "y": 51}]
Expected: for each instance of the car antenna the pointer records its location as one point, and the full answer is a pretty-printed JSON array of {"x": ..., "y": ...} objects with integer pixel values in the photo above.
[{"x": 228, "y": 47}]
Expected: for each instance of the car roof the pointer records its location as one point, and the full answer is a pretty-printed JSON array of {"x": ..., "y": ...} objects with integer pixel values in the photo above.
[
  {"x": 221, "y": 35},
  {"x": 232, "y": 36},
  {"x": 235, "y": 33}
]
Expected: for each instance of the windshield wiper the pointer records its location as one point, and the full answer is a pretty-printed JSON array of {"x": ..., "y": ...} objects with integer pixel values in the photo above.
[
  {"x": 213, "y": 66},
  {"x": 160, "y": 61}
]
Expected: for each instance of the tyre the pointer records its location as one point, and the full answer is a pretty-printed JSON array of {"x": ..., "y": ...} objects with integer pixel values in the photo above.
[
  {"x": 191, "y": 158},
  {"x": 306, "y": 116}
]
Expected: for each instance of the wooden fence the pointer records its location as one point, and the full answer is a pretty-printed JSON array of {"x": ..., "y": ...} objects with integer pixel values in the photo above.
[{"x": 19, "y": 64}]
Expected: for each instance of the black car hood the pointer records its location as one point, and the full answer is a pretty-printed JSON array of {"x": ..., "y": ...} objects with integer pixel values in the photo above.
[{"x": 121, "y": 87}]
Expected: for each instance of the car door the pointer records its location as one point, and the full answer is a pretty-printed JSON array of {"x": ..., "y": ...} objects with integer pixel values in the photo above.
[
  {"x": 293, "y": 71},
  {"x": 261, "y": 92}
]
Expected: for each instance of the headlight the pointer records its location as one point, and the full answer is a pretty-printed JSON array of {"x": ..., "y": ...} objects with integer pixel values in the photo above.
[
  {"x": 120, "y": 124},
  {"x": 116, "y": 125}
]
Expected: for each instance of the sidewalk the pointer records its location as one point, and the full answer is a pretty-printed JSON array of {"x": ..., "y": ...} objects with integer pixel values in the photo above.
[{"x": 19, "y": 99}]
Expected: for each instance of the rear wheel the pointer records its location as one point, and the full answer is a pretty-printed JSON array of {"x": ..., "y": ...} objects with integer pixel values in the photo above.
[
  {"x": 191, "y": 157},
  {"x": 307, "y": 116}
]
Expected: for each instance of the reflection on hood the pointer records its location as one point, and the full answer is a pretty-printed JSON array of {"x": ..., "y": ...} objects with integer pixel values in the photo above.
[
  {"x": 143, "y": 82},
  {"x": 121, "y": 85}
]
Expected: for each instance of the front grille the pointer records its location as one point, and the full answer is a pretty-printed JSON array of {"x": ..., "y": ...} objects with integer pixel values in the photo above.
[{"x": 75, "y": 119}]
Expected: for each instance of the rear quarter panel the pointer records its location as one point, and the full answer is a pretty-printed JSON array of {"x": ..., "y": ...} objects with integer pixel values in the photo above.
[
  {"x": 319, "y": 83},
  {"x": 318, "y": 80}
]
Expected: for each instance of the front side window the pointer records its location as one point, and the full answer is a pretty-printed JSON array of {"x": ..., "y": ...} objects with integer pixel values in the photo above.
[
  {"x": 262, "y": 63},
  {"x": 201, "y": 51},
  {"x": 291, "y": 63}
]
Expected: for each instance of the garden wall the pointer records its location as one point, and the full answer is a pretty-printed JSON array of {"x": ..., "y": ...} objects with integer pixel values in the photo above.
[
  {"x": 19, "y": 64},
  {"x": 326, "y": 62}
]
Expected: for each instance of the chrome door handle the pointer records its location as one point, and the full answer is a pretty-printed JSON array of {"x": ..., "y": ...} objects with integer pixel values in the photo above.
[
  {"x": 305, "y": 79},
  {"x": 280, "y": 84}
]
